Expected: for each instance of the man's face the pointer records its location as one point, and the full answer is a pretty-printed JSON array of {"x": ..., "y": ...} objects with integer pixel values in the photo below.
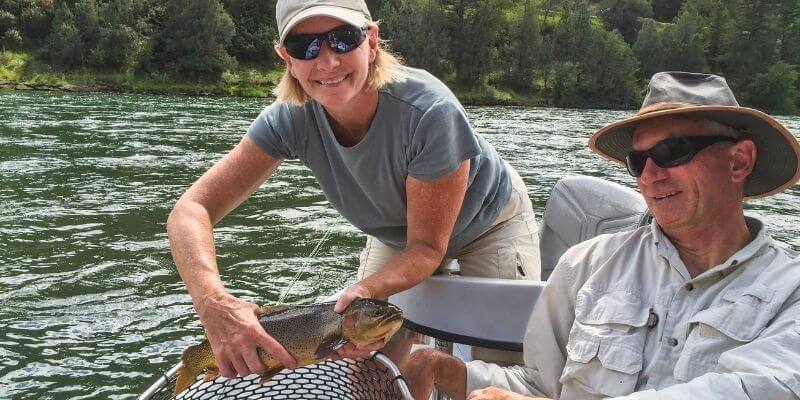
[{"x": 698, "y": 192}]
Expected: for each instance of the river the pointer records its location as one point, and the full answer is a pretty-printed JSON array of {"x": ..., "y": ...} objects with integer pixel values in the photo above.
[{"x": 90, "y": 303}]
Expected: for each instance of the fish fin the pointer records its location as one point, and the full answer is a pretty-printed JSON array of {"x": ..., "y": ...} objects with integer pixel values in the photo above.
[
  {"x": 269, "y": 374},
  {"x": 185, "y": 378},
  {"x": 329, "y": 345},
  {"x": 211, "y": 374},
  {"x": 270, "y": 309}
]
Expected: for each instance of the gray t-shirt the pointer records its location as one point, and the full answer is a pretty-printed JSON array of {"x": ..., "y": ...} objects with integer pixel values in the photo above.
[{"x": 419, "y": 130}]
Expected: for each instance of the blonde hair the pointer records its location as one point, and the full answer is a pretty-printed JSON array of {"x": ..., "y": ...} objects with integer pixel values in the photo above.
[{"x": 386, "y": 68}]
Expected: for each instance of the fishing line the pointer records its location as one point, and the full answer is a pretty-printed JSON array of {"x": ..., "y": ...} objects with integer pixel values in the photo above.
[{"x": 306, "y": 265}]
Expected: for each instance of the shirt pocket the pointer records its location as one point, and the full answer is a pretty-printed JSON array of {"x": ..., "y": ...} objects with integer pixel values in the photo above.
[
  {"x": 606, "y": 342},
  {"x": 737, "y": 319}
]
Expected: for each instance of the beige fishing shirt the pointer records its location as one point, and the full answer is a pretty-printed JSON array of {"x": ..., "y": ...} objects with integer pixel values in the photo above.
[{"x": 622, "y": 318}]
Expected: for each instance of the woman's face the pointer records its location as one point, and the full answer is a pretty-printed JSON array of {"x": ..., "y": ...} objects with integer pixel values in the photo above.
[{"x": 334, "y": 80}]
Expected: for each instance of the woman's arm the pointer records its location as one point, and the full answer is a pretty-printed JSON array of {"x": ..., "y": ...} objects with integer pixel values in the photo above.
[
  {"x": 433, "y": 207},
  {"x": 231, "y": 324}
]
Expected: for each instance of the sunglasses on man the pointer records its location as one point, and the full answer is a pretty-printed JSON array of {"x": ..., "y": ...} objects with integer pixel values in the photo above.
[
  {"x": 672, "y": 152},
  {"x": 342, "y": 39}
]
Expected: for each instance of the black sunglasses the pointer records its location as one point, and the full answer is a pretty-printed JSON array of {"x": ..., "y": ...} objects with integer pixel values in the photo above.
[
  {"x": 670, "y": 153},
  {"x": 342, "y": 39}
]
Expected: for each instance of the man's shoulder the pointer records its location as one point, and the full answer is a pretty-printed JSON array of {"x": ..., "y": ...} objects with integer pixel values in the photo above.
[
  {"x": 604, "y": 245},
  {"x": 610, "y": 252}
]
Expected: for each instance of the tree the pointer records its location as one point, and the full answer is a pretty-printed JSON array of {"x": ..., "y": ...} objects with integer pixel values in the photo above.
[
  {"x": 624, "y": 15},
  {"x": 649, "y": 49},
  {"x": 775, "y": 90},
  {"x": 35, "y": 17},
  {"x": 11, "y": 40},
  {"x": 253, "y": 42},
  {"x": 7, "y": 21},
  {"x": 754, "y": 44},
  {"x": 666, "y": 10},
  {"x": 718, "y": 33},
  {"x": 608, "y": 71},
  {"x": 417, "y": 30},
  {"x": 790, "y": 39},
  {"x": 475, "y": 25},
  {"x": 64, "y": 46},
  {"x": 522, "y": 53},
  {"x": 572, "y": 34},
  {"x": 193, "y": 39},
  {"x": 88, "y": 23},
  {"x": 683, "y": 45}
]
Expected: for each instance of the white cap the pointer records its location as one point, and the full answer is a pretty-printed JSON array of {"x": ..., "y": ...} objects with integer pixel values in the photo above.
[{"x": 289, "y": 13}]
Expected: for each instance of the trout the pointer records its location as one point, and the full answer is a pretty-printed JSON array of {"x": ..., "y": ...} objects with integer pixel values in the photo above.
[{"x": 309, "y": 333}]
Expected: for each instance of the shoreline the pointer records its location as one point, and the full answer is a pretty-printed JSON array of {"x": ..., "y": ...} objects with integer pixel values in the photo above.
[{"x": 491, "y": 97}]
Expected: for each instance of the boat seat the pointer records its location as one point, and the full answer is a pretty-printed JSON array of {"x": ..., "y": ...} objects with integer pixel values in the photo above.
[
  {"x": 493, "y": 313},
  {"x": 582, "y": 207}
]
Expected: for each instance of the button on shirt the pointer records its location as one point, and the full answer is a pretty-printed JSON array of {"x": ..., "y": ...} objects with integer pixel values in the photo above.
[{"x": 622, "y": 318}]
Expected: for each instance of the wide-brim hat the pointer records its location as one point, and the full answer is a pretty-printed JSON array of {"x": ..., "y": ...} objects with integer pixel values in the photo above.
[
  {"x": 289, "y": 13},
  {"x": 709, "y": 97}
]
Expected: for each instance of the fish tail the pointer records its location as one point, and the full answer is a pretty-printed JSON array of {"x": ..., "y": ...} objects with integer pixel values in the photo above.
[{"x": 193, "y": 360}]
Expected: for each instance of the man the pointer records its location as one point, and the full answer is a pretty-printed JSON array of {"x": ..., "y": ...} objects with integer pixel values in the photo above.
[{"x": 701, "y": 304}]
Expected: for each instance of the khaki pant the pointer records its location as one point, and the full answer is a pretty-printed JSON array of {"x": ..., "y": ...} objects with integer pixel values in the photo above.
[{"x": 508, "y": 249}]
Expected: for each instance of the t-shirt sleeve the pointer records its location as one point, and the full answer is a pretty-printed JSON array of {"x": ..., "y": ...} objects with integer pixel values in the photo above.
[
  {"x": 273, "y": 131},
  {"x": 442, "y": 140}
]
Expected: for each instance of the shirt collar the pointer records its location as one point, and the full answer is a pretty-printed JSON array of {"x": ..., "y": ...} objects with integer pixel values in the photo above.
[{"x": 761, "y": 239}]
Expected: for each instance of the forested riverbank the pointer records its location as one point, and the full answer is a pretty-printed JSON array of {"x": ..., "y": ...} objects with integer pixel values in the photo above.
[{"x": 567, "y": 53}]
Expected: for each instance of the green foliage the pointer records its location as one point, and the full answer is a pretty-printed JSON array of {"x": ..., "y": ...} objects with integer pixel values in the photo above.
[
  {"x": 11, "y": 40},
  {"x": 624, "y": 15},
  {"x": 683, "y": 45},
  {"x": 565, "y": 83},
  {"x": 666, "y": 10},
  {"x": 718, "y": 34},
  {"x": 474, "y": 29},
  {"x": 565, "y": 52},
  {"x": 417, "y": 30},
  {"x": 649, "y": 49},
  {"x": 753, "y": 46},
  {"x": 775, "y": 90},
  {"x": 193, "y": 40},
  {"x": 253, "y": 42},
  {"x": 7, "y": 21},
  {"x": 608, "y": 71},
  {"x": 522, "y": 55},
  {"x": 34, "y": 17},
  {"x": 64, "y": 46},
  {"x": 119, "y": 44},
  {"x": 572, "y": 34},
  {"x": 12, "y": 65}
]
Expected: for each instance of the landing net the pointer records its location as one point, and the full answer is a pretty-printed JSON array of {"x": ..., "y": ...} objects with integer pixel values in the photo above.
[{"x": 375, "y": 378}]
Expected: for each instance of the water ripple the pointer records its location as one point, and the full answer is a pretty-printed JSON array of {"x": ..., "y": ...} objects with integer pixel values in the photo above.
[{"x": 90, "y": 303}]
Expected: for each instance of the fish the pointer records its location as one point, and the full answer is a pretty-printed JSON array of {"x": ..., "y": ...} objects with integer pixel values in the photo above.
[{"x": 309, "y": 333}]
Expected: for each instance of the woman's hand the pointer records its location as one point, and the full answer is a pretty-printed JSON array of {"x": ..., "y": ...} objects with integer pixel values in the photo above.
[
  {"x": 235, "y": 335},
  {"x": 493, "y": 393},
  {"x": 354, "y": 291}
]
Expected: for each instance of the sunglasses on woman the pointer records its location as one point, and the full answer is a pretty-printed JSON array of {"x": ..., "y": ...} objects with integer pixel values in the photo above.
[
  {"x": 670, "y": 153},
  {"x": 342, "y": 39}
]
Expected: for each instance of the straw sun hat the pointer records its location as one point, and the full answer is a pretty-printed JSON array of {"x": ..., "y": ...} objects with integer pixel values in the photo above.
[{"x": 709, "y": 97}]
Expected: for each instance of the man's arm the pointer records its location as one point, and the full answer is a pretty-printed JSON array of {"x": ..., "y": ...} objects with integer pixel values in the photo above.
[
  {"x": 766, "y": 368},
  {"x": 546, "y": 334}
]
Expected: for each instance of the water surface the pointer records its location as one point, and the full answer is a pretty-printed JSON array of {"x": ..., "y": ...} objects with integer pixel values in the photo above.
[{"x": 90, "y": 303}]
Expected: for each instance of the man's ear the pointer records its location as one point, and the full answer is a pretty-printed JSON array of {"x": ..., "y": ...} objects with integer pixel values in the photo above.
[{"x": 743, "y": 159}]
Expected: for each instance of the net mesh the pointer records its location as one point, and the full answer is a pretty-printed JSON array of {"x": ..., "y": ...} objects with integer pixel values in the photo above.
[{"x": 341, "y": 379}]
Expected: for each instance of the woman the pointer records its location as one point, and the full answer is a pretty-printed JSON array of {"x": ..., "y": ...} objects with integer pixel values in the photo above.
[{"x": 393, "y": 151}]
